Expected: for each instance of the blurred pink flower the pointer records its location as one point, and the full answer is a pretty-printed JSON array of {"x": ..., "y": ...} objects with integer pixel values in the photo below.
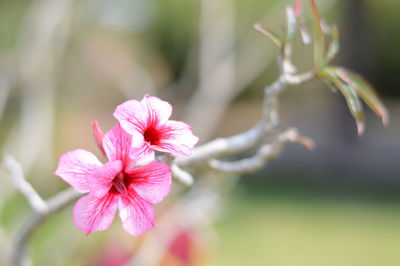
[
  {"x": 114, "y": 185},
  {"x": 147, "y": 122}
]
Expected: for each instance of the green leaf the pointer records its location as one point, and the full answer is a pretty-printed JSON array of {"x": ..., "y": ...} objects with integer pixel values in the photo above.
[
  {"x": 329, "y": 75},
  {"x": 305, "y": 36},
  {"x": 366, "y": 92},
  {"x": 275, "y": 38},
  {"x": 290, "y": 24},
  {"x": 318, "y": 36},
  {"x": 333, "y": 47}
]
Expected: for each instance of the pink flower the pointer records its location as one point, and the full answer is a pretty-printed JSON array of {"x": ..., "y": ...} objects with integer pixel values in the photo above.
[
  {"x": 114, "y": 185},
  {"x": 147, "y": 122}
]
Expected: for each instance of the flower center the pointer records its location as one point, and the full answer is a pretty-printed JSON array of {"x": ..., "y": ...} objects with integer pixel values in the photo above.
[
  {"x": 151, "y": 136},
  {"x": 119, "y": 184}
]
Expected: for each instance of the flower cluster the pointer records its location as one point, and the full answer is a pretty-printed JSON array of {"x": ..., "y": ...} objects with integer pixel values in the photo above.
[{"x": 131, "y": 181}]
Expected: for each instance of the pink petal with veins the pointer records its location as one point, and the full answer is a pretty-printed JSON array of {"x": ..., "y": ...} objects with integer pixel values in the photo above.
[
  {"x": 138, "y": 116},
  {"x": 93, "y": 214},
  {"x": 136, "y": 214},
  {"x": 143, "y": 154},
  {"x": 158, "y": 111},
  {"x": 176, "y": 138},
  {"x": 132, "y": 116},
  {"x": 117, "y": 144},
  {"x": 151, "y": 182},
  {"x": 100, "y": 180},
  {"x": 147, "y": 122},
  {"x": 137, "y": 139},
  {"x": 76, "y": 166}
]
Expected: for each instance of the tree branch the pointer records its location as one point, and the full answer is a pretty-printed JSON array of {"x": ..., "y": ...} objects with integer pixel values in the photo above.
[
  {"x": 263, "y": 155},
  {"x": 35, "y": 219},
  {"x": 181, "y": 175},
  {"x": 23, "y": 186}
]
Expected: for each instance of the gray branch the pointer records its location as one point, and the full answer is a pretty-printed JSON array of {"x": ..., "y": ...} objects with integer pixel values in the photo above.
[
  {"x": 23, "y": 186},
  {"x": 35, "y": 219},
  {"x": 181, "y": 175},
  {"x": 263, "y": 155}
]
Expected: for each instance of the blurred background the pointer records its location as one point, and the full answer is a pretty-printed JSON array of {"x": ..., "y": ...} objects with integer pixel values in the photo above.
[{"x": 66, "y": 63}]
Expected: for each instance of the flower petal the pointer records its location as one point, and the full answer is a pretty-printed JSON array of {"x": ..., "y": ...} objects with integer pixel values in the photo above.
[
  {"x": 117, "y": 144},
  {"x": 137, "y": 138},
  {"x": 159, "y": 111},
  {"x": 132, "y": 116},
  {"x": 95, "y": 214},
  {"x": 98, "y": 135},
  {"x": 176, "y": 137},
  {"x": 75, "y": 167},
  {"x": 142, "y": 155},
  {"x": 100, "y": 180},
  {"x": 136, "y": 214},
  {"x": 152, "y": 182}
]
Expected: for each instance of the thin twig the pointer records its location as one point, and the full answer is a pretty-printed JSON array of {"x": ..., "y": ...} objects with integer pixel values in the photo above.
[
  {"x": 23, "y": 186},
  {"x": 263, "y": 155},
  {"x": 242, "y": 141},
  {"x": 35, "y": 219},
  {"x": 181, "y": 175},
  {"x": 245, "y": 140}
]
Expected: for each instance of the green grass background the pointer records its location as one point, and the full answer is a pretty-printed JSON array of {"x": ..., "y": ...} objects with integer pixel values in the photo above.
[{"x": 307, "y": 231}]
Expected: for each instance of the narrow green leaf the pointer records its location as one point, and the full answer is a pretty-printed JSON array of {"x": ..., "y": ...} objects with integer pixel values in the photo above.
[
  {"x": 333, "y": 47},
  {"x": 366, "y": 92},
  {"x": 290, "y": 24},
  {"x": 318, "y": 36},
  {"x": 275, "y": 38},
  {"x": 298, "y": 11},
  {"x": 329, "y": 74}
]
